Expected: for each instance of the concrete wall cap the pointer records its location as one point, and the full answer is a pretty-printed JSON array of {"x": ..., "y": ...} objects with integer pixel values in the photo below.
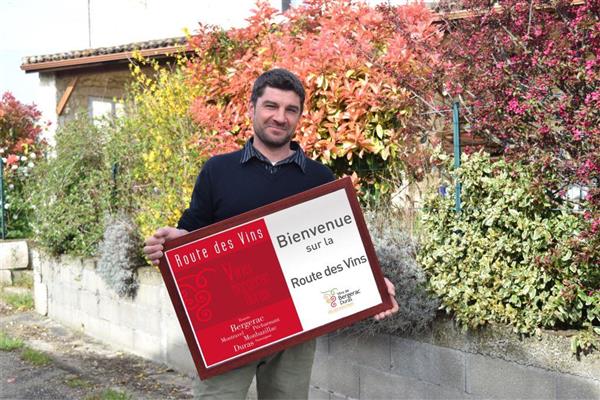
[{"x": 14, "y": 254}]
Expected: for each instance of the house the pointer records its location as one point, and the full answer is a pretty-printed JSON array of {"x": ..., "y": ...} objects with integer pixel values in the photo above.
[{"x": 91, "y": 80}]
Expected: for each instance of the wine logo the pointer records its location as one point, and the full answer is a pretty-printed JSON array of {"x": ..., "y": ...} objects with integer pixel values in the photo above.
[
  {"x": 331, "y": 298},
  {"x": 338, "y": 300}
]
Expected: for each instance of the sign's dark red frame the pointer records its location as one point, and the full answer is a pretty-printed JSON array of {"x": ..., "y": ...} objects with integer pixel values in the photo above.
[{"x": 171, "y": 284}]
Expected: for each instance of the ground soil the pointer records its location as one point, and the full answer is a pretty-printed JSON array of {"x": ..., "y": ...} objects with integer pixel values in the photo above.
[{"x": 80, "y": 367}]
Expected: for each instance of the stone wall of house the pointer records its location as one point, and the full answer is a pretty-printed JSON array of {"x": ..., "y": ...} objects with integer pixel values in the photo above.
[
  {"x": 444, "y": 363},
  {"x": 106, "y": 83}
]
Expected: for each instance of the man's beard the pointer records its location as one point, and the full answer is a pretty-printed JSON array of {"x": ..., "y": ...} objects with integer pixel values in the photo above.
[{"x": 273, "y": 142}]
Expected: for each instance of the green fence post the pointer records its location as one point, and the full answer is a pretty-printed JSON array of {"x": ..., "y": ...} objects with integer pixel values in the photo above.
[
  {"x": 115, "y": 172},
  {"x": 3, "y": 217},
  {"x": 456, "y": 139}
]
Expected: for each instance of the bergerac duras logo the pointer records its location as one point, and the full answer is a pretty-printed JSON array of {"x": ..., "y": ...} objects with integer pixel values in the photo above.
[{"x": 338, "y": 300}]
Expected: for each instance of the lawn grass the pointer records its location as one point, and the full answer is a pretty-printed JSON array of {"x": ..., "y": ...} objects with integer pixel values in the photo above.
[
  {"x": 8, "y": 343},
  {"x": 20, "y": 302},
  {"x": 110, "y": 394},
  {"x": 24, "y": 281},
  {"x": 35, "y": 357},
  {"x": 77, "y": 383}
]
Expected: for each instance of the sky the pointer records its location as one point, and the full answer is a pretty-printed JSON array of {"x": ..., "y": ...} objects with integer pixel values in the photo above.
[{"x": 35, "y": 27}]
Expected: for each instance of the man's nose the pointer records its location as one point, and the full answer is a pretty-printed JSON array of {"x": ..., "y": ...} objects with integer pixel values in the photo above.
[{"x": 279, "y": 116}]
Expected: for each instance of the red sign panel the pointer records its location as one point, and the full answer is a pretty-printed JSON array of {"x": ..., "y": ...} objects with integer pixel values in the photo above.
[{"x": 273, "y": 277}]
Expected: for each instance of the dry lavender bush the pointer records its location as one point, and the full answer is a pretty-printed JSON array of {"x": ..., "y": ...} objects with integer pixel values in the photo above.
[
  {"x": 119, "y": 255},
  {"x": 396, "y": 252}
]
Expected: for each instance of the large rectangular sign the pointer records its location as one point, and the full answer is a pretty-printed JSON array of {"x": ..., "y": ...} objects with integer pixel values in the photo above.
[{"x": 273, "y": 277}]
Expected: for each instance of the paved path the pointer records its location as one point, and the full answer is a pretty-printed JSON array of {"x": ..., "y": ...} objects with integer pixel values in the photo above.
[{"x": 79, "y": 367}]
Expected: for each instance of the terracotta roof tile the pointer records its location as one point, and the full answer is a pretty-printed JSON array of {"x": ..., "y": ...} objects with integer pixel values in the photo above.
[{"x": 70, "y": 55}]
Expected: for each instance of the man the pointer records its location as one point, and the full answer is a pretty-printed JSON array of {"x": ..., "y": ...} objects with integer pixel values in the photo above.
[{"x": 270, "y": 167}]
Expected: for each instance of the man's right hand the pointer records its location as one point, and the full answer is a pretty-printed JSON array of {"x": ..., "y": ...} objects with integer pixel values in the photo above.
[{"x": 153, "y": 246}]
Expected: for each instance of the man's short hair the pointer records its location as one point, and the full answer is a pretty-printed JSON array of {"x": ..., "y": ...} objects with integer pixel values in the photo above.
[{"x": 278, "y": 78}]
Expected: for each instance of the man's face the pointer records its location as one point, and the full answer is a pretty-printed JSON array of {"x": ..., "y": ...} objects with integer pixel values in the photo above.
[{"x": 275, "y": 116}]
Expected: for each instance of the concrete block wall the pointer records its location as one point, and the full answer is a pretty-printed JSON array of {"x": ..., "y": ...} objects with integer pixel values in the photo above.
[
  {"x": 390, "y": 367},
  {"x": 444, "y": 363},
  {"x": 70, "y": 291}
]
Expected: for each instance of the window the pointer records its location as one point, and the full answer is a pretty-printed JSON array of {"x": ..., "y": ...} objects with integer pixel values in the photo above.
[
  {"x": 286, "y": 4},
  {"x": 101, "y": 108},
  {"x": 576, "y": 194}
]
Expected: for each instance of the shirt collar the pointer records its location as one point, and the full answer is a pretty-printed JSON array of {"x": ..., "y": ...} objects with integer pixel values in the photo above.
[{"x": 249, "y": 152}]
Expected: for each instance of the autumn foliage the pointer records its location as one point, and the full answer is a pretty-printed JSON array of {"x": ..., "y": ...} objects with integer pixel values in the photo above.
[
  {"x": 362, "y": 68},
  {"x": 21, "y": 145},
  {"x": 20, "y": 128},
  {"x": 530, "y": 74}
]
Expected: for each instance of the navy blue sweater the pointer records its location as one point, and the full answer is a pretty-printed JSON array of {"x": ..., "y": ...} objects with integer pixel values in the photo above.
[{"x": 226, "y": 186}]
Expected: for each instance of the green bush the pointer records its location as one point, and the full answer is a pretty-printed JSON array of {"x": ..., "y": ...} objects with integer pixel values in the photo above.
[
  {"x": 17, "y": 204},
  {"x": 508, "y": 256},
  {"x": 73, "y": 188},
  {"x": 141, "y": 166},
  {"x": 155, "y": 145}
]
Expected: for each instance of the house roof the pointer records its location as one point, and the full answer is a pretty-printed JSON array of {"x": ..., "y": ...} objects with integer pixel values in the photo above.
[{"x": 101, "y": 55}]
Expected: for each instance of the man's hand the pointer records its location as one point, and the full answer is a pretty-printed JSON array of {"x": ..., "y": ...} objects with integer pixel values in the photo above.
[
  {"x": 153, "y": 246},
  {"x": 392, "y": 292}
]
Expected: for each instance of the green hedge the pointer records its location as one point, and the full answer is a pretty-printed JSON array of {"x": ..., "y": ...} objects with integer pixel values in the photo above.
[
  {"x": 72, "y": 190},
  {"x": 508, "y": 256},
  {"x": 141, "y": 165}
]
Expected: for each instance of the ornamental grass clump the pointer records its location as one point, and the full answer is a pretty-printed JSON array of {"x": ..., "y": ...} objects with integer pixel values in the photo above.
[
  {"x": 120, "y": 255},
  {"x": 396, "y": 252}
]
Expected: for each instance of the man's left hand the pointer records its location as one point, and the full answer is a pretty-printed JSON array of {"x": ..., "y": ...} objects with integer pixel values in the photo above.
[{"x": 392, "y": 292}]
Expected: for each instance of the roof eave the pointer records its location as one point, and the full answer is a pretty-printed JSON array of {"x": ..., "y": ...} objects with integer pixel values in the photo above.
[{"x": 90, "y": 61}]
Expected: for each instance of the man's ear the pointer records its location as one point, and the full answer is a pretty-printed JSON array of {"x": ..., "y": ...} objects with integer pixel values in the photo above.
[{"x": 251, "y": 110}]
